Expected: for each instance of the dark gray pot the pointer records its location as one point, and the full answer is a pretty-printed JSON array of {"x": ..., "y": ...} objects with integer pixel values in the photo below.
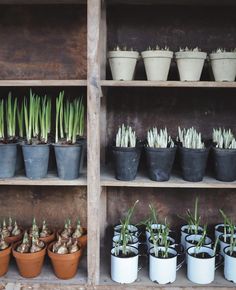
[
  {"x": 19, "y": 159},
  {"x": 8, "y": 153},
  {"x": 68, "y": 160},
  {"x": 36, "y": 160}
]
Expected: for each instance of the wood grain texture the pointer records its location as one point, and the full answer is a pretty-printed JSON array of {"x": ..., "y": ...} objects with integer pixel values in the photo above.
[
  {"x": 43, "y": 83},
  {"x": 48, "y": 47}
]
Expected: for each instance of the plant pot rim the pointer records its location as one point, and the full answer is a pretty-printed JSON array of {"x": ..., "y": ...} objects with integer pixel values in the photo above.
[
  {"x": 130, "y": 242},
  {"x": 21, "y": 234},
  {"x": 202, "y": 247},
  {"x": 160, "y": 149},
  {"x": 58, "y": 232},
  {"x": 202, "y": 150},
  {"x": 161, "y": 247},
  {"x": 222, "y": 224},
  {"x": 34, "y": 145},
  {"x": 222, "y": 55},
  {"x": 160, "y": 226},
  {"x": 157, "y": 53},
  {"x": 206, "y": 237},
  {"x": 221, "y": 237},
  {"x": 172, "y": 240},
  {"x": 116, "y": 225},
  {"x": 9, "y": 144},
  {"x": 134, "y": 250},
  {"x": 223, "y": 150},
  {"x": 126, "y": 149},
  {"x": 62, "y": 257},
  {"x": 225, "y": 250},
  {"x": 123, "y": 54},
  {"x": 191, "y": 227},
  {"x": 6, "y": 251},
  {"x": 67, "y": 145},
  {"x": 190, "y": 55},
  {"x": 27, "y": 256}
]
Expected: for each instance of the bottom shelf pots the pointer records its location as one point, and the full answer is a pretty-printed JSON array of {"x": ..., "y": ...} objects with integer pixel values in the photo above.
[
  {"x": 230, "y": 263},
  {"x": 4, "y": 260},
  {"x": 124, "y": 266}
]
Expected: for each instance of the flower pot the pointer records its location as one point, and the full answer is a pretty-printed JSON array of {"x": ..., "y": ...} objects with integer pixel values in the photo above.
[
  {"x": 187, "y": 230},
  {"x": 223, "y": 66},
  {"x": 225, "y": 242},
  {"x": 156, "y": 229},
  {"x": 150, "y": 244},
  {"x": 192, "y": 240},
  {"x": 14, "y": 239},
  {"x": 163, "y": 270},
  {"x": 123, "y": 64},
  {"x": 160, "y": 162},
  {"x": 131, "y": 228},
  {"x": 82, "y": 240},
  {"x": 190, "y": 64},
  {"x": 8, "y": 153},
  {"x": 193, "y": 163},
  {"x": 157, "y": 64},
  {"x": 126, "y": 161},
  {"x": 64, "y": 266},
  {"x": 219, "y": 230},
  {"x": 68, "y": 160},
  {"x": 4, "y": 260},
  {"x": 230, "y": 264},
  {"x": 201, "y": 270},
  {"x": 29, "y": 264},
  {"x": 36, "y": 160},
  {"x": 47, "y": 240},
  {"x": 133, "y": 242},
  {"x": 124, "y": 269},
  {"x": 225, "y": 164},
  {"x": 19, "y": 158}
]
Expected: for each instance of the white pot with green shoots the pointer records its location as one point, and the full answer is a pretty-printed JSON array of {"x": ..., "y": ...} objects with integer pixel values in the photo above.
[
  {"x": 8, "y": 139},
  {"x": 225, "y": 227},
  {"x": 69, "y": 124},
  {"x": 230, "y": 261},
  {"x": 37, "y": 117},
  {"x": 157, "y": 63},
  {"x": 126, "y": 154},
  {"x": 223, "y": 65},
  {"x": 123, "y": 63}
]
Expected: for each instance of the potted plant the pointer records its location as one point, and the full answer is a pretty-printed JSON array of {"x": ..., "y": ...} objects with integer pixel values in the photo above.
[
  {"x": 193, "y": 239},
  {"x": 69, "y": 119},
  {"x": 193, "y": 224},
  {"x": 201, "y": 263},
  {"x": 124, "y": 258},
  {"x": 126, "y": 153},
  {"x": 42, "y": 233},
  {"x": 37, "y": 115},
  {"x": 157, "y": 63},
  {"x": 160, "y": 154},
  {"x": 224, "y": 228},
  {"x": 29, "y": 255},
  {"x": 8, "y": 140},
  {"x": 230, "y": 260},
  {"x": 11, "y": 233},
  {"x": 65, "y": 257},
  {"x": 224, "y": 154},
  {"x": 223, "y": 65},
  {"x": 5, "y": 254},
  {"x": 190, "y": 63},
  {"x": 123, "y": 63},
  {"x": 193, "y": 154}
]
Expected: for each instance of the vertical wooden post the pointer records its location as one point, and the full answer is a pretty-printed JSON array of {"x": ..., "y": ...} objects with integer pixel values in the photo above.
[{"x": 93, "y": 133}]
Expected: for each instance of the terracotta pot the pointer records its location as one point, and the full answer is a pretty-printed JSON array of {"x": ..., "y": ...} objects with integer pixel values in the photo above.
[
  {"x": 49, "y": 239},
  {"x": 29, "y": 264},
  {"x": 14, "y": 239},
  {"x": 82, "y": 240},
  {"x": 4, "y": 260},
  {"x": 64, "y": 266}
]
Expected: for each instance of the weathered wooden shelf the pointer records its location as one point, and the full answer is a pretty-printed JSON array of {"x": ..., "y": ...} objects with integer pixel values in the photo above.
[
  {"x": 176, "y": 181},
  {"x": 168, "y": 84},
  {"x": 169, "y": 2},
  {"x": 50, "y": 180},
  {"x": 22, "y": 2},
  {"x": 43, "y": 83}
]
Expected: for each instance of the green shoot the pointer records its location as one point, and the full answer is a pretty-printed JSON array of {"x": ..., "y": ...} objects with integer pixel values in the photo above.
[
  {"x": 2, "y": 134},
  {"x": 11, "y": 106},
  {"x": 20, "y": 118}
]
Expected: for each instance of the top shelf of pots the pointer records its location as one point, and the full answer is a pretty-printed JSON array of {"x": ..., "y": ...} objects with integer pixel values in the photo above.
[{"x": 157, "y": 63}]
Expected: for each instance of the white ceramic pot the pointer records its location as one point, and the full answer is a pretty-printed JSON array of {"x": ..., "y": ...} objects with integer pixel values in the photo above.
[
  {"x": 123, "y": 64},
  {"x": 156, "y": 228},
  {"x": 229, "y": 265},
  {"x": 200, "y": 271},
  {"x": 184, "y": 234},
  {"x": 133, "y": 241},
  {"x": 190, "y": 238},
  {"x": 224, "y": 244},
  {"x": 190, "y": 64},
  {"x": 223, "y": 66},
  {"x": 133, "y": 230},
  {"x": 157, "y": 64},
  {"x": 171, "y": 240},
  {"x": 124, "y": 270},
  {"x": 162, "y": 270}
]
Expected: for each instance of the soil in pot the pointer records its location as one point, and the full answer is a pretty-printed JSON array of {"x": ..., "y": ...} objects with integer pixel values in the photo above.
[
  {"x": 192, "y": 231},
  {"x": 161, "y": 255},
  {"x": 225, "y": 164},
  {"x": 68, "y": 160},
  {"x": 8, "y": 153},
  {"x": 225, "y": 240},
  {"x": 36, "y": 159},
  {"x": 5, "y": 254},
  {"x": 202, "y": 255},
  {"x": 160, "y": 162},
  {"x": 193, "y": 163},
  {"x": 127, "y": 255},
  {"x": 126, "y": 162}
]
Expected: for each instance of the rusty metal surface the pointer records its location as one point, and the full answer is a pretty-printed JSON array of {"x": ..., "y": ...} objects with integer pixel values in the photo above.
[{"x": 43, "y": 42}]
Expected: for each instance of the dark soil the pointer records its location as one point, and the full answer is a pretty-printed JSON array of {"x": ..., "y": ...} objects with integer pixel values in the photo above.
[
  {"x": 233, "y": 254},
  {"x": 227, "y": 240},
  {"x": 221, "y": 229},
  {"x": 202, "y": 255},
  {"x": 128, "y": 255},
  {"x": 160, "y": 255},
  {"x": 191, "y": 231}
]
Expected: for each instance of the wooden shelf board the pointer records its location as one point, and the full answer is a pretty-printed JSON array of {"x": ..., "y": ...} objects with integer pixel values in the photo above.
[
  {"x": 167, "y": 84},
  {"x": 50, "y": 180},
  {"x": 22, "y": 2},
  {"x": 42, "y": 83},
  {"x": 174, "y": 2},
  {"x": 46, "y": 278},
  {"x": 176, "y": 181},
  {"x": 143, "y": 281}
]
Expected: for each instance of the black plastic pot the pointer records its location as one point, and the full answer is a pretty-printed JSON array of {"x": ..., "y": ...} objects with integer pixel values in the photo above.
[
  {"x": 36, "y": 160},
  {"x": 160, "y": 162},
  {"x": 68, "y": 160},
  {"x": 193, "y": 163},
  {"x": 225, "y": 164},
  {"x": 126, "y": 161},
  {"x": 8, "y": 153}
]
